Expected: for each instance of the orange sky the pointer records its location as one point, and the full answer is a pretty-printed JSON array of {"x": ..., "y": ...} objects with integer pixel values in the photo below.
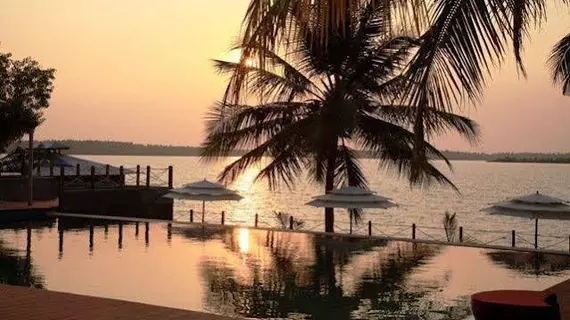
[{"x": 139, "y": 70}]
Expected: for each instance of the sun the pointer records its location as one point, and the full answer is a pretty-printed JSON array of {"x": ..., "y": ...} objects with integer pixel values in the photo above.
[{"x": 249, "y": 62}]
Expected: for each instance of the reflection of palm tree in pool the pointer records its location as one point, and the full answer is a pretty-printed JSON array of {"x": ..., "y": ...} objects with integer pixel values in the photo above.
[{"x": 291, "y": 284}]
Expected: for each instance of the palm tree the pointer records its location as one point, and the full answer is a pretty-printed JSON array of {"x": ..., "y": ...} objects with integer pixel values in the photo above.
[
  {"x": 460, "y": 41},
  {"x": 319, "y": 106},
  {"x": 559, "y": 62}
]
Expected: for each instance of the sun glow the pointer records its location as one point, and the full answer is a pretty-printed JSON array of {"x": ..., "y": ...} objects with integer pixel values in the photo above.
[{"x": 235, "y": 56}]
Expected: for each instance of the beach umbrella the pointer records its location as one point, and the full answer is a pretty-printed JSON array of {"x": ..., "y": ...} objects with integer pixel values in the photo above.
[
  {"x": 351, "y": 198},
  {"x": 203, "y": 190},
  {"x": 534, "y": 206}
]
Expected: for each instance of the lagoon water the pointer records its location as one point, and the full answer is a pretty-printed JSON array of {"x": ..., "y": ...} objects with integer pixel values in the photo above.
[{"x": 479, "y": 183}]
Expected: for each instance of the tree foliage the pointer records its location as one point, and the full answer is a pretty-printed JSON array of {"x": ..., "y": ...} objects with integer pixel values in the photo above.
[{"x": 25, "y": 91}]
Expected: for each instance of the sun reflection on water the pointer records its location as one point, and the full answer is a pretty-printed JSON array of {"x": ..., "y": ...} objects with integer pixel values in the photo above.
[{"x": 243, "y": 240}]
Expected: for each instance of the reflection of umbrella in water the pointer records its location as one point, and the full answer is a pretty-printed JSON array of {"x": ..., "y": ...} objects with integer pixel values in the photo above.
[
  {"x": 351, "y": 198},
  {"x": 200, "y": 233},
  {"x": 535, "y": 206},
  {"x": 531, "y": 262},
  {"x": 203, "y": 191}
]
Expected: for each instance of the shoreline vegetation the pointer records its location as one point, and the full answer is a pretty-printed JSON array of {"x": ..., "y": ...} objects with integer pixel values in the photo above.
[{"x": 119, "y": 148}]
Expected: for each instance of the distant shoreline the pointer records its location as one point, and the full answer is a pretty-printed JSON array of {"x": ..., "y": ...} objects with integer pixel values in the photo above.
[
  {"x": 119, "y": 148},
  {"x": 526, "y": 160}
]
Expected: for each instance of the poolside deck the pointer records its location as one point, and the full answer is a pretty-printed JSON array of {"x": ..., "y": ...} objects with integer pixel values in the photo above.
[
  {"x": 563, "y": 292},
  {"x": 26, "y": 303}
]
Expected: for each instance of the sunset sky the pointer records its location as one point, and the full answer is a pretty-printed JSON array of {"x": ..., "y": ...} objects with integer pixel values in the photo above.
[{"x": 139, "y": 70}]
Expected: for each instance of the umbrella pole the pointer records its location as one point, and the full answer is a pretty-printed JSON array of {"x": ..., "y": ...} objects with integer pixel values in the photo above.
[
  {"x": 203, "y": 210},
  {"x": 536, "y": 233}
]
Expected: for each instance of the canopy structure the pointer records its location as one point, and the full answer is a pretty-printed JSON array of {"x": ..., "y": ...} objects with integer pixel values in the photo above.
[
  {"x": 203, "y": 190},
  {"x": 351, "y": 198},
  {"x": 534, "y": 206}
]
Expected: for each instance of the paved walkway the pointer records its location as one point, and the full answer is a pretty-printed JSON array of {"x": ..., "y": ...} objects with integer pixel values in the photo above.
[{"x": 35, "y": 304}]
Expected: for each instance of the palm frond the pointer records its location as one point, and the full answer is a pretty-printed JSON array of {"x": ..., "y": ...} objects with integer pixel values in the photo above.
[
  {"x": 559, "y": 63},
  {"x": 231, "y": 127},
  {"x": 264, "y": 83},
  {"x": 348, "y": 171},
  {"x": 287, "y": 149},
  {"x": 395, "y": 147}
]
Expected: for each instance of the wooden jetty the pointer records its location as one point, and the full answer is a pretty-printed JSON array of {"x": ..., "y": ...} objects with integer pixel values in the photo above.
[
  {"x": 36, "y": 304},
  {"x": 102, "y": 190}
]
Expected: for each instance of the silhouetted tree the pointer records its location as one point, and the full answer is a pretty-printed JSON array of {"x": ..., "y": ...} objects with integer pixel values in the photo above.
[{"x": 25, "y": 90}]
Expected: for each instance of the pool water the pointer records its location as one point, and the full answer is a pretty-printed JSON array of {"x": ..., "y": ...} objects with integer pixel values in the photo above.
[{"x": 263, "y": 274}]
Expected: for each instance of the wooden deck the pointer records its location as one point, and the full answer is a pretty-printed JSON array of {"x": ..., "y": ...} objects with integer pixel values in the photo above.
[{"x": 27, "y": 303}]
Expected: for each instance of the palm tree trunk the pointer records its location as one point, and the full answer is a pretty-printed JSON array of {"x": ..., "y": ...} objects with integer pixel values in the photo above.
[{"x": 329, "y": 185}]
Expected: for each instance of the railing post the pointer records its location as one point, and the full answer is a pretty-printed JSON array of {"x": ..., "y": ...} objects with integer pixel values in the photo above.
[
  {"x": 369, "y": 228},
  {"x": 460, "y": 234},
  {"x": 513, "y": 235},
  {"x": 256, "y": 219},
  {"x": 92, "y": 177},
  {"x": 107, "y": 169},
  {"x": 78, "y": 170},
  {"x": 50, "y": 168},
  {"x": 147, "y": 176},
  {"x": 122, "y": 176},
  {"x": 414, "y": 231},
  {"x": 138, "y": 175},
  {"x": 291, "y": 222},
  {"x": 39, "y": 171},
  {"x": 170, "y": 177},
  {"x": 61, "y": 187},
  {"x": 223, "y": 217},
  {"x": 191, "y": 215}
]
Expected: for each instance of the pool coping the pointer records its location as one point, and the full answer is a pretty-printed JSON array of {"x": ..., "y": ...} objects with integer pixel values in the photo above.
[{"x": 317, "y": 233}]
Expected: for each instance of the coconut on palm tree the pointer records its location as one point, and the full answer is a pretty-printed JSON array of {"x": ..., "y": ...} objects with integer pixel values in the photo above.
[{"x": 318, "y": 107}]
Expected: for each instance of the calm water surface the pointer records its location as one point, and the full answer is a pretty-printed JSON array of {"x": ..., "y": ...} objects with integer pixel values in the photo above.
[
  {"x": 263, "y": 274},
  {"x": 480, "y": 183}
]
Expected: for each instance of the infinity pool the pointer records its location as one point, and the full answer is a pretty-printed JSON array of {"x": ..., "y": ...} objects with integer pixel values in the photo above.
[{"x": 263, "y": 274}]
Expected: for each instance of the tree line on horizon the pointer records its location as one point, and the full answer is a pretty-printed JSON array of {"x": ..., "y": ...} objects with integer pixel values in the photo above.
[{"x": 110, "y": 147}]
